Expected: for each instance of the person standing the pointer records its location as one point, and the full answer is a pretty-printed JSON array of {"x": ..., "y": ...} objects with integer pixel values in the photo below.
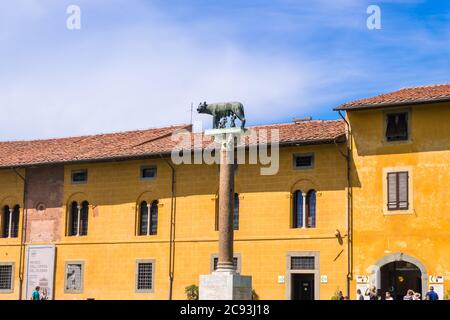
[
  {"x": 388, "y": 296},
  {"x": 36, "y": 295},
  {"x": 431, "y": 295},
  {"x": 409, "y": 295},
  {"x": 359, "y": 295},
  {"x": 372, "y": 293}
]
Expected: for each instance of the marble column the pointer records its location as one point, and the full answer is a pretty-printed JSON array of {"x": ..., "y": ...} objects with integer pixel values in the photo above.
[
  {"x": 225, "y": 283},
  {"x": 226, "y": 197}
]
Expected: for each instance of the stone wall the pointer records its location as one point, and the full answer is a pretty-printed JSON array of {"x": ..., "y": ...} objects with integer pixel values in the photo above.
[{"x": 44, "y": 203}]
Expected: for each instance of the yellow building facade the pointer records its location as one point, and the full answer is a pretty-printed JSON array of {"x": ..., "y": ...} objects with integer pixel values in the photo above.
[
  {"x": 401, "y": 248},
  {"x": 109, "y": 253},
  {"x": 356, "y": 202}
]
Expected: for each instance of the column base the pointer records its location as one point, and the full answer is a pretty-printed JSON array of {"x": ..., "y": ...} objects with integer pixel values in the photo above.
[{"x": 225, "y": 285}]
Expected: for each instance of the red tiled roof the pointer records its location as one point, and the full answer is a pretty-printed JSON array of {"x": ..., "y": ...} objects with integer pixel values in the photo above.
[
  {"x": 314, "y": 131},
  {"x": 416, "y": 95},
  {"x": 74, "y": 149},
  {"x": 143, "y": 143}
]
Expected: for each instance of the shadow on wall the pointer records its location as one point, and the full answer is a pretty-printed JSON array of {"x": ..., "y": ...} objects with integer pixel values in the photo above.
[{"x": 429, "y": 130}]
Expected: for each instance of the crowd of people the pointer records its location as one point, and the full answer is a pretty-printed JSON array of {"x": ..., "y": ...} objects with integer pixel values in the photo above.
[{"x": 372, "y": 294}]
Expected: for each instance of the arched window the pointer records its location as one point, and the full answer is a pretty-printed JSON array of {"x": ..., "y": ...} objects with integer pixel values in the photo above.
[
  {"x": 148, "y": 218},
  {"x": 10, "y": 222},
  {"x": 78, "y": 219},
  {"x": 15, "y": 222},
  {"x": 154, "y": 218},
  {"x": 73, "y": 219},
  {"x": 143, "y": 218},
  {"x": 84, "y": 216},
  {"x": 236, "y": 212},
  {"x": 297, "y": 212},
  {"x": 5, "y": 222},
  {"x": 311, "y": 209}
]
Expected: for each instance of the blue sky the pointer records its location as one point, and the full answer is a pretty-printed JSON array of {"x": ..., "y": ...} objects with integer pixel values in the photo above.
[{"x": 138, "y": 64}]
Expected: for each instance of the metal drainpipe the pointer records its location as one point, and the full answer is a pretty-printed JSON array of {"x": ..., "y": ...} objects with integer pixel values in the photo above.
[
  {"x": 349, "y": 209},
  {"x": 172, "y": 230},
  {"x": 23, "y": 233}
]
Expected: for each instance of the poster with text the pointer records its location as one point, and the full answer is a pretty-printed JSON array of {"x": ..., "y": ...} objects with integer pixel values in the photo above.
[{"x": 40, "y": 267}]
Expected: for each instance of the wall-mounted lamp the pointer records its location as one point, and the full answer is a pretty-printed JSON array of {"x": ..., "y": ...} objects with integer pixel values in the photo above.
[{"x": 338, "y": 235}]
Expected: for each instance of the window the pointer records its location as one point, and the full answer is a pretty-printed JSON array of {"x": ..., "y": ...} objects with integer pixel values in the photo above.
[
  {"x": 302, "y": 263},
  {"x": 397, "y": 183},
  {"x": 79, "y": 176},
  {"x": 397, "y": 126},
  {"x": 78, "y": 219},
  {"x": 311, "y": 209},
  {"x": 143, "y": 219},
  {"x": 148, "y": 172},
  {"x": 6, "y": 277},
  {"x": 144, "y": 275},
  {"x": 236, "y": 212},
  {"x": 154, "y": 218},
  {"x": 148, "y": 218},
  {"x": 74, "y": 277},
  {"x": 10, "y": 222},
  {"x": 303, "y": 161},
  {"x": 304, "y": 209},
  {"x": 5, "y": 222},
  {"x": 297, "y": 212}
]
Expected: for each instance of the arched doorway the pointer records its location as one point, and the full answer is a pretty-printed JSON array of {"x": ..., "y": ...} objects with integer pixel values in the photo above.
[
  {"x": 397, "y": 273},
  {"x": 400, "y": 276}
]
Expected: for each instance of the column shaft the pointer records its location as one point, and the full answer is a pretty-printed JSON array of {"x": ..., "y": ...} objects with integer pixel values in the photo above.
[{"x": 226, "y": 195}]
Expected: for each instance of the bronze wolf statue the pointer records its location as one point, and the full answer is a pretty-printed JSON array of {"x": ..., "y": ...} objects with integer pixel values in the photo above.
[{"x": 220, "y": 111}]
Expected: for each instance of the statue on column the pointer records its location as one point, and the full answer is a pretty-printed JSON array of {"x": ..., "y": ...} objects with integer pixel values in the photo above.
[
  {"x": 225, "y": 283},
  {"x": 222, "y": 111}
]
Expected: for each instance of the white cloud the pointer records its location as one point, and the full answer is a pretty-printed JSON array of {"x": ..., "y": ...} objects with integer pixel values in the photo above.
[
  {"x": 133, "y": 65},
  {"x": 142, "y": 76}
]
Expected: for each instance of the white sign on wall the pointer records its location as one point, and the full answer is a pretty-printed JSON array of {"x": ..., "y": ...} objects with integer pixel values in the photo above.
[
  {"x": 436, "y": 279},
  {"x": 362, "y": 279},
  {"x": 40, "y": 270}
]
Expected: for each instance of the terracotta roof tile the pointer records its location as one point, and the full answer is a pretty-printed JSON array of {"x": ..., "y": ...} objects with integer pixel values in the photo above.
[
  {"x": 425, "y": 94},
  {"x": 143, "y": 143}
]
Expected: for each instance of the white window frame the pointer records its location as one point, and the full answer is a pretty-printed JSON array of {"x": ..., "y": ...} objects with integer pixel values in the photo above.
[
  {"x": 139, "y": 261},
  {"x": 408, "y": 111},
  {"x": 12, "y": 264},
  {"x": 77, "y": 171},
  {"x": 81, "y": 277},
  {"x": 410, "y": 209},
  {"x": 309, "y": 154},
  {"x": 315, "y": 271},
  {"x": 151, "y": 166}
]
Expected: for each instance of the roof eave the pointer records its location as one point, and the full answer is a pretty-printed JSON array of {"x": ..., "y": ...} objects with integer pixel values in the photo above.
[
  {"x": 394, "y": 104},
  {"x": 338, "y": 139}
]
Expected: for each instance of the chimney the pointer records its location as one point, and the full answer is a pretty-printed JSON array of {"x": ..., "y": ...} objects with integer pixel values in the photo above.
[{"x": 298, "y": 120}]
